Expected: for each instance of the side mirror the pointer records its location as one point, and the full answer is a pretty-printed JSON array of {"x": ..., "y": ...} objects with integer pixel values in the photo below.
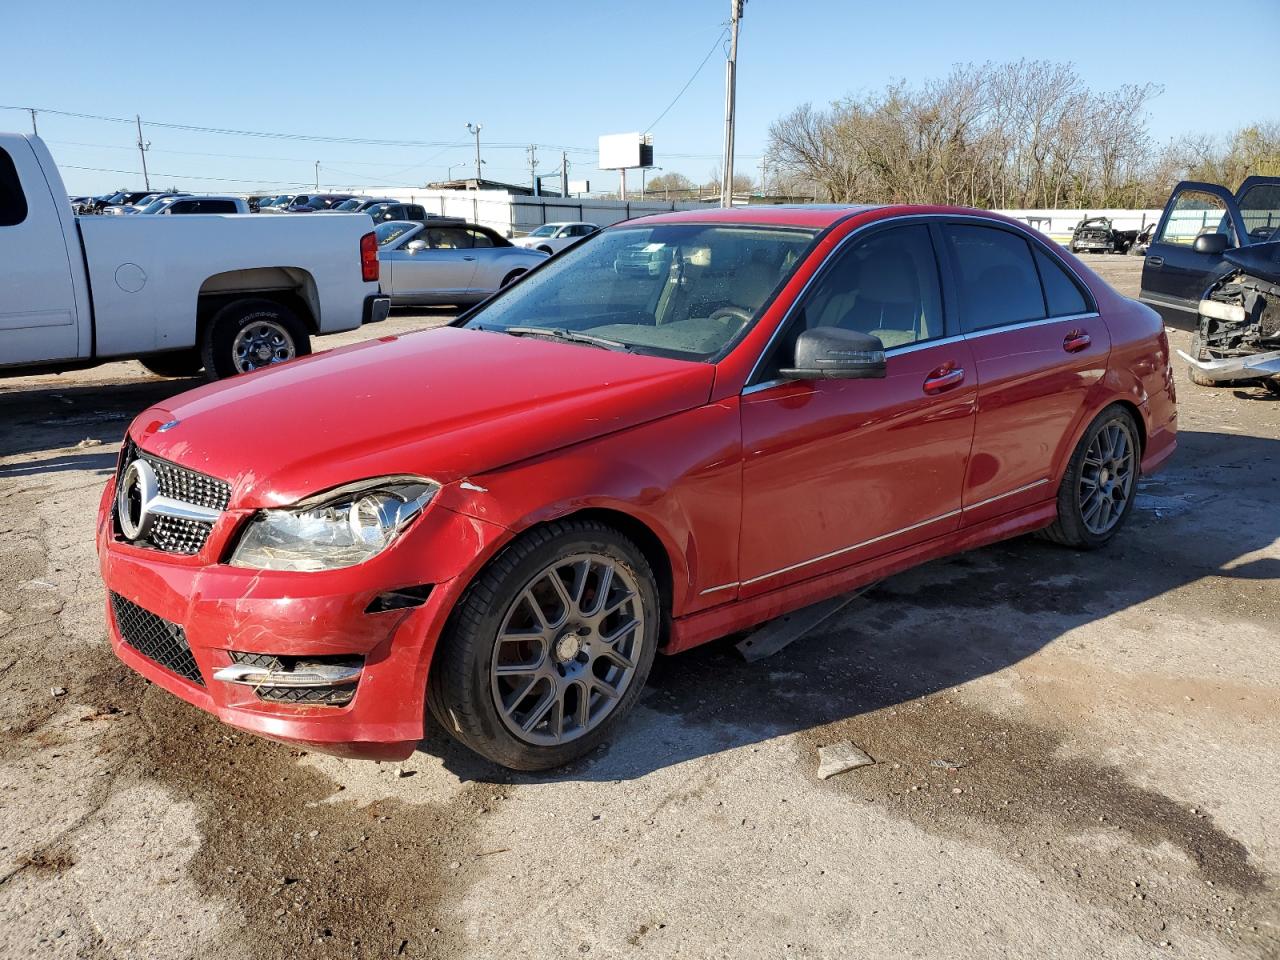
[
  {"x": 415, "y": 246},
  {"x": 833, "y": 353},
  {"x": 1211, "y": 243}
]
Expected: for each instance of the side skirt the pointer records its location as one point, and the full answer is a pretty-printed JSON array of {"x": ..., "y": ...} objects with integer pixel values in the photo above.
[{"x": 706, "y": 625}]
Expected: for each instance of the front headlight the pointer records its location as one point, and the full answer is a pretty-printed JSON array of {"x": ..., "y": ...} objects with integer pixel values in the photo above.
[{"x": 339, "y": 528}]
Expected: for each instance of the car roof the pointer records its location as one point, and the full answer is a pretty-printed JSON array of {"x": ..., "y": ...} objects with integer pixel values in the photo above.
[{"x": 819, "y": 215}]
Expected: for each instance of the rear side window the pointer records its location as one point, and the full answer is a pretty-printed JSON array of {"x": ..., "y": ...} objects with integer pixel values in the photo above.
[
  {"x": 480, "y": 239},
  {"x": 995, "y": 276},
  {"x": 216, "y": 206},
  {"x": 414, "y": 212},
  {"x": 1061, "y": 294},
  {"x": 13, "y": 203}
]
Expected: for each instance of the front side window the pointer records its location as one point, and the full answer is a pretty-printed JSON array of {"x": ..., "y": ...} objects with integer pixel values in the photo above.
[
  {"x": 885, "y": 286},
  {"x": 1195, "y": 213},
  {"x": 414, "y": 212},
  {"x": 688, "y": 291},
  {"x": 448, "y": 238},
  {"x": 1260, "y": 211},
  {"x": 996, "y": 279},
  {"x": 13, "y": 202}
]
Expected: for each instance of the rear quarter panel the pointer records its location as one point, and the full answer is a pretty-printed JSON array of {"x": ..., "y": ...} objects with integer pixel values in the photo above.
[
  {"x": 146, "y": 271},
  {"x": 1138, "y": 372}
]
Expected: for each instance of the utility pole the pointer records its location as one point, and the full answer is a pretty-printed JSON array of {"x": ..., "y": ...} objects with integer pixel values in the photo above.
[
  {"x": 622, "y": 190},
  {"x": 143, "y": 147},
  {"x": 730, "y": 88},
  {"x": 34, "y": 131},
  {"x": 564, "y": 174},
  {"x": 474, "y": 129},
  {"x": 532, "y": 151}
]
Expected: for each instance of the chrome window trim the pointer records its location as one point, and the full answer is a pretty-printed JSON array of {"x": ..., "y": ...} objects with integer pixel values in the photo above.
[
  {"x": 1030, "y": 235},
  {"x": 1027, "y": 324}
]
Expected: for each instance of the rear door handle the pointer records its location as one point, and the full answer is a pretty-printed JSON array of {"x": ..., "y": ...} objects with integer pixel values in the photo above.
[
  {"x": 945, "y": 377},
  {"x": 1076, "y": 341},
  {"x": 468, "y": 258},
  {"x": 1155, "y": 262}
]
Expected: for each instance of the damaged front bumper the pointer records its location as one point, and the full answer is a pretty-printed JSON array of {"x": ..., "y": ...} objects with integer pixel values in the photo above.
[{"x": 1258, "y": 366}]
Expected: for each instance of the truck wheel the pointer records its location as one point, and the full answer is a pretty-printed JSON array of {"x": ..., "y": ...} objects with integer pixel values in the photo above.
[
  {"x": 1200, "y": 353},
  {"x": 1097, "y": 491},
  {"x": 549, "y": 647},
  {"x": 179, "y": 363},
  {"x": 249, "y": 334}
]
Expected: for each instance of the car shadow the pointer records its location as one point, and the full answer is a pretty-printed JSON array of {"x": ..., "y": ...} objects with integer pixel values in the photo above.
[
  {"x": 946, "y": 623},
  {"x": 101, "y": 463},
  {"x": 1259, "y": 392}
]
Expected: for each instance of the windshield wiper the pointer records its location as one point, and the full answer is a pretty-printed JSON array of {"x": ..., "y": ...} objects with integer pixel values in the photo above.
[{"x": 569, "y": 336}]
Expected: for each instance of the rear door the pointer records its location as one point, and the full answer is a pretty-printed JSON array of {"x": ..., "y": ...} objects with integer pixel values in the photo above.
[
  {"x": 1174, "y": 275},
  {"x": 1038, "y": 346},
  {"x": 39, "y": 316}
]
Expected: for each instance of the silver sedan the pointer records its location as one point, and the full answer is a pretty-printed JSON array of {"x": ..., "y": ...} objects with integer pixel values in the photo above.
[{"x": 447, "y": 263}]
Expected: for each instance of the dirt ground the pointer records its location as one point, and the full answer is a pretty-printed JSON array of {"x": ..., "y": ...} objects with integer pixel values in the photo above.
[{"x": 1076, "y": 757}]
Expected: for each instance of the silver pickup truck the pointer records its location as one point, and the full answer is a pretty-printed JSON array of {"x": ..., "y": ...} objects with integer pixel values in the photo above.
[{"x": 223, "y": 293}]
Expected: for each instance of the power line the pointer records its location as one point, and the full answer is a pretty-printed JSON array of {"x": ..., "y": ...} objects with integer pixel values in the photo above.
[{"x": 688, "y": 84}]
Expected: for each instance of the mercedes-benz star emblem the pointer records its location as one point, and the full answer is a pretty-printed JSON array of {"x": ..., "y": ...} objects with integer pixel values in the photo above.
[{"x": 138, "y": 491}]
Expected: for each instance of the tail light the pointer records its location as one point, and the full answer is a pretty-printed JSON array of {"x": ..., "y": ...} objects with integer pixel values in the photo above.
[{"x": 369, "y": 258}]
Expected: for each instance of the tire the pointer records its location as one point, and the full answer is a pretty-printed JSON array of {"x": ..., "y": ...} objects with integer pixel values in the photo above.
[
  {"x": 1272, "y": 386},
  {"x": 483, "y": 688},
  {"x": 511, "y": 277},
  {"x": 179, "y": 363},
  {"x": 1075, "y": 526},
  {"x": 283, "y": 334},
  {"x": 1195, "y": 376}
]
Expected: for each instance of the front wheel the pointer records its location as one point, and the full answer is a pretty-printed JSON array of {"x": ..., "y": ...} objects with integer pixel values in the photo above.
[
  {"x": 1200, "y": 352},
  {"x": 549, "y": 648},
  {"x": 1097, "y": 491},
  {"x": 247, "y": 335}
]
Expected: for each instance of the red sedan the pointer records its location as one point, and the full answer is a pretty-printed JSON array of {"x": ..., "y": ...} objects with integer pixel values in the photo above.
[{"x": 683, "y": 427}]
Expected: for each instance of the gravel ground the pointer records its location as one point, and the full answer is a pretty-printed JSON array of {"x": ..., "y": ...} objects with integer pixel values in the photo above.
[{"x": 1075, "y": 757}]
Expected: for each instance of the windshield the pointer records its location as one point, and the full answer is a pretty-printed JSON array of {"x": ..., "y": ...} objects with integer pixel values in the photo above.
[
  {"x": 679, "y": 290},
  {"x": 351, "y": 204},
  {"x": 545, "y": 230},
  {"x": 390, "y": 232},
  {"x": 155, "y": 205}
]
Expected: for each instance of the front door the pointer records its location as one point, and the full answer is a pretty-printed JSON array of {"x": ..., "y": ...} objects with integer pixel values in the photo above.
[
  {"x": 840, "y": 471},
  {"x": 39, "y": 317},
  {"x": 437, "y": 273},
  {"x": 1174, "y": 274}
]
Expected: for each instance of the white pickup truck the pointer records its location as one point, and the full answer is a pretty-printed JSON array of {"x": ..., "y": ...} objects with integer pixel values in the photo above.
[{"x": 226, "y": 293}]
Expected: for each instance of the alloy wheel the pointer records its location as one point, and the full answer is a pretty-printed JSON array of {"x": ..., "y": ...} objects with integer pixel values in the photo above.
[
  {"x": 1106, "y": 477},
  {"x": 567, "y": 649}
]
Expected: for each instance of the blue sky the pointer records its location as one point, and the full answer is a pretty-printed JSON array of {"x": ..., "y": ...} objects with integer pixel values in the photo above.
[{"x": 555, "y": 72}]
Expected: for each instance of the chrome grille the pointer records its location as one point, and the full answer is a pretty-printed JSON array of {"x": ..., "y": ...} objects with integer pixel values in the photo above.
[
  {"x": 171, "y": 534},
  {"x": 155, "y": 638}
]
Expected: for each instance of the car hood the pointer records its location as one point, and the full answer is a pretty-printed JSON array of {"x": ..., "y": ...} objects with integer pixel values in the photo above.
[
  {"x": 1261, "y": 260},
  {"x": 445, "y": 404}
]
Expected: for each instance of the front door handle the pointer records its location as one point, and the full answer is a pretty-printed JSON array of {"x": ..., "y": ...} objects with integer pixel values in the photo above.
[
  {"x": 1156, "y": 262},
  {"x": 1075, "y": 341},
  {"x": 945, "y": 377}
]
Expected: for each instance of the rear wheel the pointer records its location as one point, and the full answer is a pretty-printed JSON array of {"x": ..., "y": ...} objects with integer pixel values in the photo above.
[
  {"x": 179, "y": 363},
  {"x": 249, "y": 334},
  {"x": 1273, "y": 386},
  {"x": 549, "y": 648},
  {"x": 513, "y": 276},
  {"x": 1097, "y": 491}
]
